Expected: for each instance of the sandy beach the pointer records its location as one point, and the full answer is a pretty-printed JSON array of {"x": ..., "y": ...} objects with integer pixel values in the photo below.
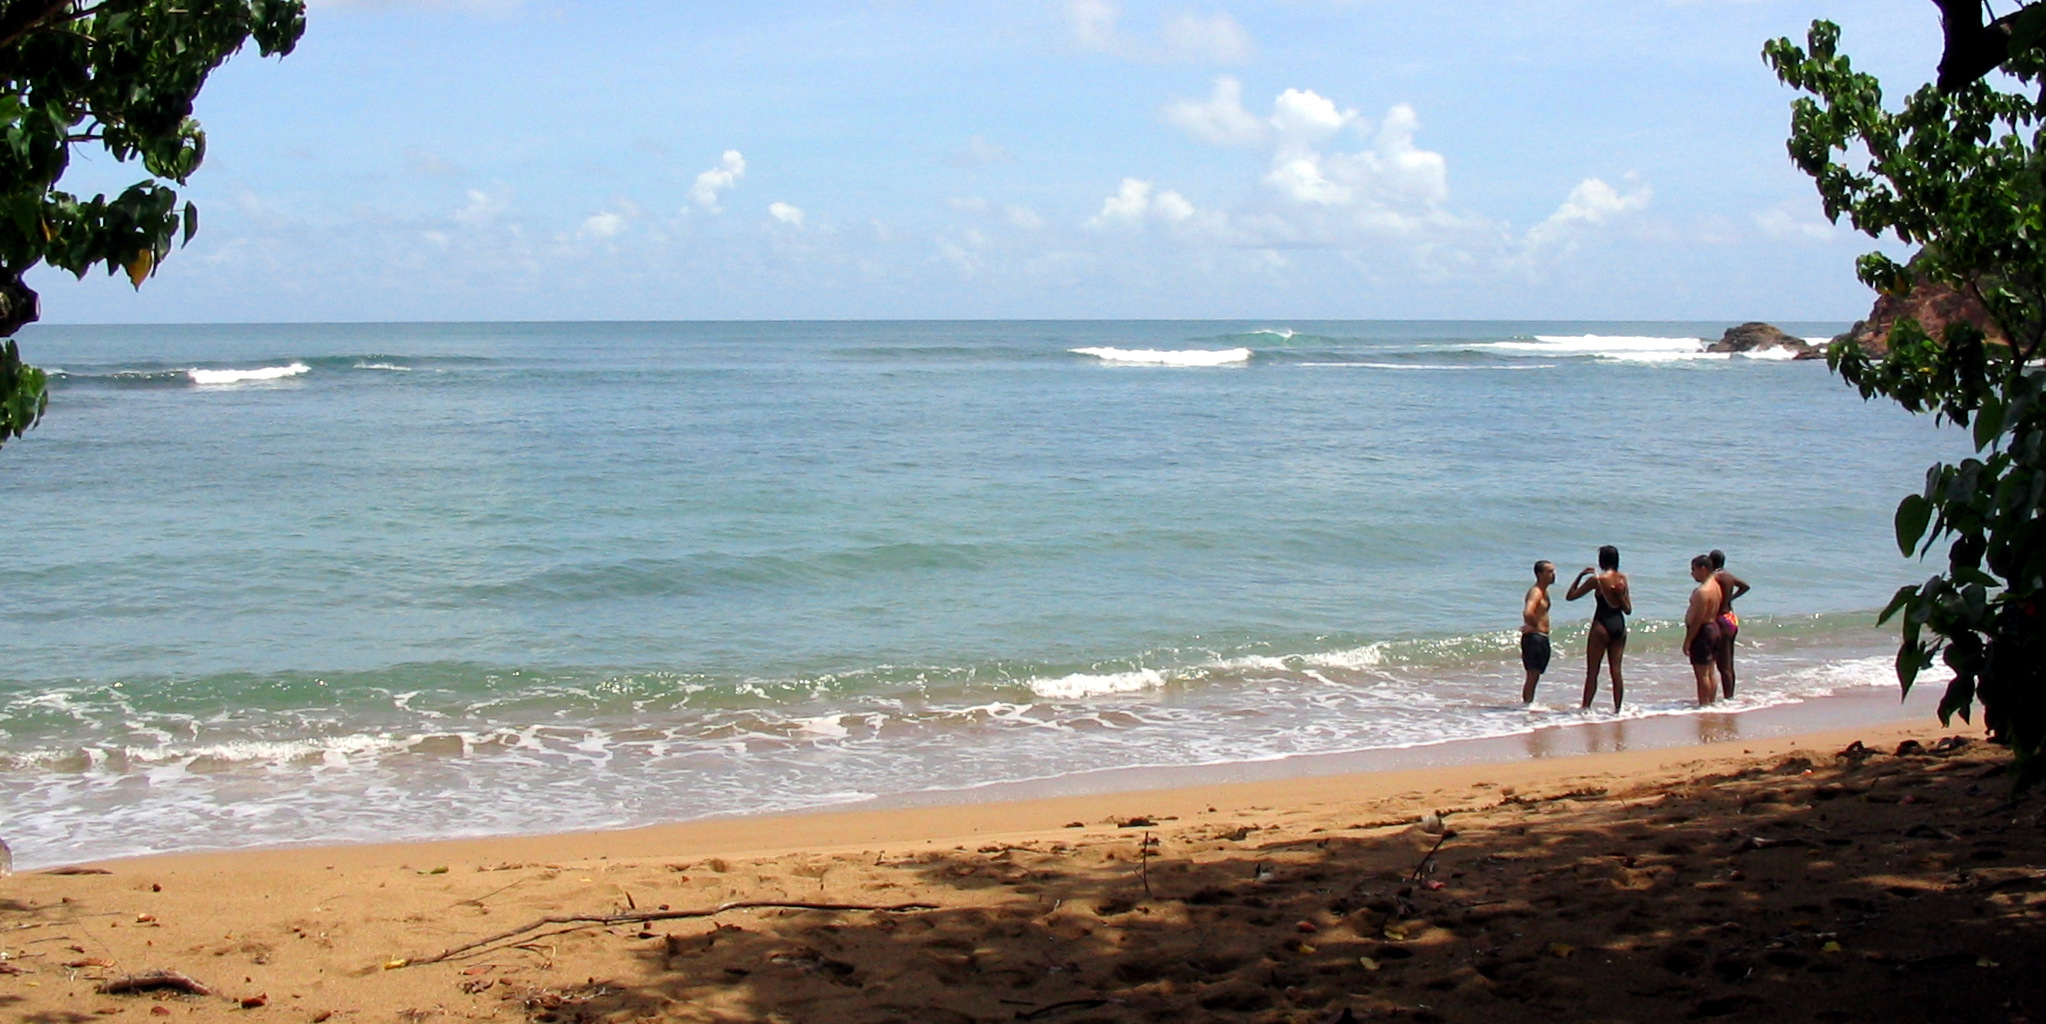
[{"x": 1788, "y": 877}]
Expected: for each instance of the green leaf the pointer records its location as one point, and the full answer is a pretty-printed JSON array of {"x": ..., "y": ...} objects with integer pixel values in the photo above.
[
  {"x": 1904, "y": 596},
  {"x": 191, "y": 223},
  {"x": 1913, "y": 514}
]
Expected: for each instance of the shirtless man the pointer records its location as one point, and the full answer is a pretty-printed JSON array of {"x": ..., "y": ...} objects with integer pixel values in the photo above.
[
  {"x": 1534, "y": 628},
  {"x": 1701, "y": 628},
  {"x": 1730, "y": 587}
]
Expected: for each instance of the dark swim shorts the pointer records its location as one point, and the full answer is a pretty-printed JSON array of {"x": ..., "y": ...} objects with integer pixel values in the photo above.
[
  {"x": 1705, "y": 644},
  {"x": 1534, "y": 652}
]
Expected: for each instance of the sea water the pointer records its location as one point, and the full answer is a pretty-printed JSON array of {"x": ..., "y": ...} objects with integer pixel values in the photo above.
[{"x": 326, "y": 583}]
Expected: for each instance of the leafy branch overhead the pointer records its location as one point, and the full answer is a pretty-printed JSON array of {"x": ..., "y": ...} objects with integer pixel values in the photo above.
[
  {"x": 119, "y": 76},
  {"x": 1959, "y": 171}
]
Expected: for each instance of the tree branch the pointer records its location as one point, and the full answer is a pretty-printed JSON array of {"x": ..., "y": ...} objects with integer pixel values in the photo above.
[
  {"x": 1973, "y": 49},
  {"x": 21, "y": 17}
]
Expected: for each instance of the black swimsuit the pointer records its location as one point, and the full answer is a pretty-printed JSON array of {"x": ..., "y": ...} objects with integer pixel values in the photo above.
[{"x": 1613, "y": 619}]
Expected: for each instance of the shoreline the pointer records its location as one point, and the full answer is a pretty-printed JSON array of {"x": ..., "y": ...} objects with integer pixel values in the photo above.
[
  {"x": 1652, "y": 882},
  {"x": 1651, "y": 743}
]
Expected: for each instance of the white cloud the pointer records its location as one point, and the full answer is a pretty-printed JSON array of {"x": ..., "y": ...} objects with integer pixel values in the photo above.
[
  {"x": 1301, "y": 115},
  {"x": 1093, "y": 24},
  {"x": 1221, "y": 120},
  {"x": 1133, "y": 204},
  {"x": 1217, "y": 39},
  {"x": 482, "y": 208},
  {"x": 731, "y": 167},
  {"x": 785, "y": 213},
  {"x": 1024, "y": 217},
  {"x": 609, "y": 223},
  {"x": 1783, "y": 225},
  {"x": 1393, "y": 173},
  {"x": 603, "y": 225},
  {"x": 1592, "y": 202},
  {"x": 1187, "y": 38}
]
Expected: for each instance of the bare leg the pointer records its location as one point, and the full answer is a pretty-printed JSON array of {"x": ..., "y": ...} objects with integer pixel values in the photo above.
[
  {"x": 1614, "y": 652},
  {"x": 1706, "y": 690},
  {"x": 1595, "y": 647},
  {"x": 1723, "y": 657},
  {"x": 1527, "y": 690}
]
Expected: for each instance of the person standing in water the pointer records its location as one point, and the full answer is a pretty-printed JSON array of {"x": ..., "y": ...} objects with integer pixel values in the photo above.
[
  {"x": 1534, "y": 628},
  {"x": 1730, "y": 587},
  {"x": 1611, "y": 604},
  {"x": 1701, "y": 628}
]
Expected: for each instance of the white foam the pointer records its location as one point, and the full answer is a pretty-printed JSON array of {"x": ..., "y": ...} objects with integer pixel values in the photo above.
[
  {"x": 1773, "y": 354},
  {"x": 1282, "y": 333},
  {"x": 383, "y": 366},
  {"x": 1161, "y": 357},
  {"x": 822, "y": 727},
  {"x": 1081, "y": 684},
  {"x": 242, "y": 376},
  {"x": 1619, "y": 348}
]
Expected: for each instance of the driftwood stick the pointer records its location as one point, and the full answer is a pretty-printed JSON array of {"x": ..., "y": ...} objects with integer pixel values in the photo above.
[
  {"x": 642, "y": 916},
  {"x": 1421, "y": 869},
  {"x": 153, "y": 981}
]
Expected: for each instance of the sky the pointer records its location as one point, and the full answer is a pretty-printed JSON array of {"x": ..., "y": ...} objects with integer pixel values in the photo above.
[{"x": 919, "y": 159}]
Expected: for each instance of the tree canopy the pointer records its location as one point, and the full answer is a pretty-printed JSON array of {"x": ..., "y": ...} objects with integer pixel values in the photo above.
[
  {"x": 1959, "y": 171},
  {"x": 118, "y": 75}
]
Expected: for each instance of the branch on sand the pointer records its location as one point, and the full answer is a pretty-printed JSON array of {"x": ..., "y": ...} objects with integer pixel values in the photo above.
[
  {"x": 644, "y": 916},
  {"x": 154, "y": 981}
]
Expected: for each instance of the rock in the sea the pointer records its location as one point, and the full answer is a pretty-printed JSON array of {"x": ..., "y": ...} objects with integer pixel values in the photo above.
[
  {"x": 1934, "y": 305},
  {"x": 1760, "y": 338}
]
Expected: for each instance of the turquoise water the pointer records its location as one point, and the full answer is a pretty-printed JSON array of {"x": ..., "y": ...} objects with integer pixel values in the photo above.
[{"x": 273, "y": 584}]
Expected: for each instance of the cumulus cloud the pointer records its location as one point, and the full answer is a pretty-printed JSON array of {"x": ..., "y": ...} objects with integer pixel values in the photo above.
[
  {"x": 1134, "y": 203},
  {"x": 1299, "y": 117},
  {"x": 1220, "y": 119},
  {"x": 603, "y": 225},
  {"x": 1336, "y": 179},
  {"x": 731, "y": 167},
  {"x": 1302, "y": 115},
  {"x": 785, "y": 213},
  {"x": 1189, "y": 38},
  {"x": 1591, "y": 203},
  {"x": 609, "y": 223}
]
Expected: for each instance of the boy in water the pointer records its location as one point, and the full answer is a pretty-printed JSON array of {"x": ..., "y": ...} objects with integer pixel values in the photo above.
[
  {"x": 1730, "y": 587},
  {"x": 1701, "y": 628},
  {"x": 1534, "y": 628}
]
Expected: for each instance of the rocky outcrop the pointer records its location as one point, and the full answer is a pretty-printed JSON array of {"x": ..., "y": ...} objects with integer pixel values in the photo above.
[
  {"x": 1934, "y": 305},
  {"x": 1766, "y": 341}
]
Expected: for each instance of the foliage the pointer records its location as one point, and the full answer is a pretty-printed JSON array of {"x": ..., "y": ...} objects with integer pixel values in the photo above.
[
  {"x": 119, "y": 75},
  {"x": 1961, "y": 174}
]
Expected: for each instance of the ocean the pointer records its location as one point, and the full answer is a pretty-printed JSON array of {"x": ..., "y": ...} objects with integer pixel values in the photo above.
[{"x": 346, "y": 582}]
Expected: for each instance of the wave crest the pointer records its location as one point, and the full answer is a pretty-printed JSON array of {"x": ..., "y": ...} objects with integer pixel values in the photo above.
[
  {"x": 294, "y": 369},
  {"x": 1165, "y": 357}
]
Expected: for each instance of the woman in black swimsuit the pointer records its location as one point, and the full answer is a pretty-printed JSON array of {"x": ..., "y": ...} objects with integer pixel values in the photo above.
[{"x": 1611, "y": 604}]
